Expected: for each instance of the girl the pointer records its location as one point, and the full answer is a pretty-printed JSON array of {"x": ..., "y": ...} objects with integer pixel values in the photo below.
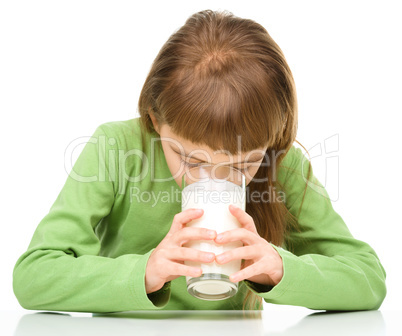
[{"x": 114, "y": 238}]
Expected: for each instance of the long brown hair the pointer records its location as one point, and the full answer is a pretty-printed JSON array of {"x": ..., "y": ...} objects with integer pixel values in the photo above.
[{"x": 220, "y": 77}]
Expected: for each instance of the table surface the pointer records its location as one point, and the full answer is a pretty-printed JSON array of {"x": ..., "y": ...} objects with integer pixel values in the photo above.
[{"x": 281, "y": 321}]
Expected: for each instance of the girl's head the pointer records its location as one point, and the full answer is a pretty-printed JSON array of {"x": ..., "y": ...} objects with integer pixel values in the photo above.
[
  {"x": 221, "y": 84},
  {"x": 220, "y": 80}
]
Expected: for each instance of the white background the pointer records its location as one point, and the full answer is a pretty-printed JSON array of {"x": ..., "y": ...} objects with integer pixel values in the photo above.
[{"x": 68, "y": 66}]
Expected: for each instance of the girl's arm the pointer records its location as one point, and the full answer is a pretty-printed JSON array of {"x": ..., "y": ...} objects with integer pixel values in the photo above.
[
  {"x": 61, "y": 270},
  {"x": 325, "y": 267}
]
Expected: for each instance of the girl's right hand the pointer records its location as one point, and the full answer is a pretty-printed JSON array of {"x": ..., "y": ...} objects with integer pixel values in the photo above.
[{"x": 166, "y": 262}]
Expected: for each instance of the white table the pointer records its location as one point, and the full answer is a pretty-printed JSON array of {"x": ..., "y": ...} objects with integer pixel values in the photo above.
[{"x": 274, "y": 321}]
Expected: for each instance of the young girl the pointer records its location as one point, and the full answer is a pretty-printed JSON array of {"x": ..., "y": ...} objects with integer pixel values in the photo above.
[{"x": 114, "y": 238}]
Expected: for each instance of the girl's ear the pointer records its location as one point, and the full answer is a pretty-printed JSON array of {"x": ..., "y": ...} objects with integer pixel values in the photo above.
[{"x": 154, "y": 122}]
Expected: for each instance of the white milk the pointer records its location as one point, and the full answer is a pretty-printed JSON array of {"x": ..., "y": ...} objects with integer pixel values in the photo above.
[{"x": 216, "y": 216}]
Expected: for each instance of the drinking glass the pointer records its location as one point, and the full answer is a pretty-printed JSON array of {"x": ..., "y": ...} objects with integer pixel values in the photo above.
[{"x": 212, "y": 188}]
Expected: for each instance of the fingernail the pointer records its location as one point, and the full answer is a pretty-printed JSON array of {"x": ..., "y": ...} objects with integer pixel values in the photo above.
[
  {"x": 210, "y": 256},
  {"x": 234, "y": 278},
  {"x": 198, "y": 211},
  {"x": 220, "y": 258},
  {"x": 211, "y": 233},
  {"x": 234, "y": 207},
  {"x": 219, "y": 237},
  {"x": 196, "y": 272}
]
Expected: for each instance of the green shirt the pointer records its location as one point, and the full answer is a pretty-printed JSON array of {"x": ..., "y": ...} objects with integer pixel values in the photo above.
[{"x": 89, "y": 253}]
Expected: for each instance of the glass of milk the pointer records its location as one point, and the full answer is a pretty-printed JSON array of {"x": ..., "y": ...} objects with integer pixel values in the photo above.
[{"x": 212, "y": 188}]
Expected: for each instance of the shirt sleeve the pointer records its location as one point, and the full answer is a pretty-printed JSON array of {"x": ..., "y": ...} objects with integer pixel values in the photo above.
[
  {"x": 62, "y": 269},
  {"x": 325, "y": 267}
]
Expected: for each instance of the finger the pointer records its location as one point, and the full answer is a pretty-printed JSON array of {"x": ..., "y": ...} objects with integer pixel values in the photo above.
[
  {"x": 245, "y": 252},
  {"x": 192, "y": 233},
  {"x": 244, "y": 235},
  {"x": 186, "y": 253},
  {"x": 182, "y": 218},
  {"x": 174, "y": 268},
  {"x": 244, "y": 218},
  {"x": 246, "y": 273}
]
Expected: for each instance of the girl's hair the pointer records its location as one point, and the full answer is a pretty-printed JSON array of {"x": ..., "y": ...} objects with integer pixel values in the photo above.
[{"x": 220, "y": 77}]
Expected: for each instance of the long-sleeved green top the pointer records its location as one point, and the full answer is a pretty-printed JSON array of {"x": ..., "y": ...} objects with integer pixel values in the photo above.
[{"x": 89, "y": 252}]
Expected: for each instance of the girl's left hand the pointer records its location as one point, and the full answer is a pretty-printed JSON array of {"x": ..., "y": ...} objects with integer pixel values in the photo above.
[{"x": 262, "y": 263}]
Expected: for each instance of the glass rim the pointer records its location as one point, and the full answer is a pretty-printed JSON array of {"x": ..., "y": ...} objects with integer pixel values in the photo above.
[
  {"x": 214, "y": 165},
  {"x": 236, "y": 171}
]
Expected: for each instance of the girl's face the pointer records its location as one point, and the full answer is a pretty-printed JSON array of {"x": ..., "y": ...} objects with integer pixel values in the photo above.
[{"x": 182, "y": 155}]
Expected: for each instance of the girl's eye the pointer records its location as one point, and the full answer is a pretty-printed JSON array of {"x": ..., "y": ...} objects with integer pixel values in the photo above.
[{"x": 188, "y": 164}]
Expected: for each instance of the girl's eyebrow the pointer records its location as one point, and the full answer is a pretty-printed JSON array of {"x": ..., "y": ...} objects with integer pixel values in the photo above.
[{"x": 253, "y": 158}]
